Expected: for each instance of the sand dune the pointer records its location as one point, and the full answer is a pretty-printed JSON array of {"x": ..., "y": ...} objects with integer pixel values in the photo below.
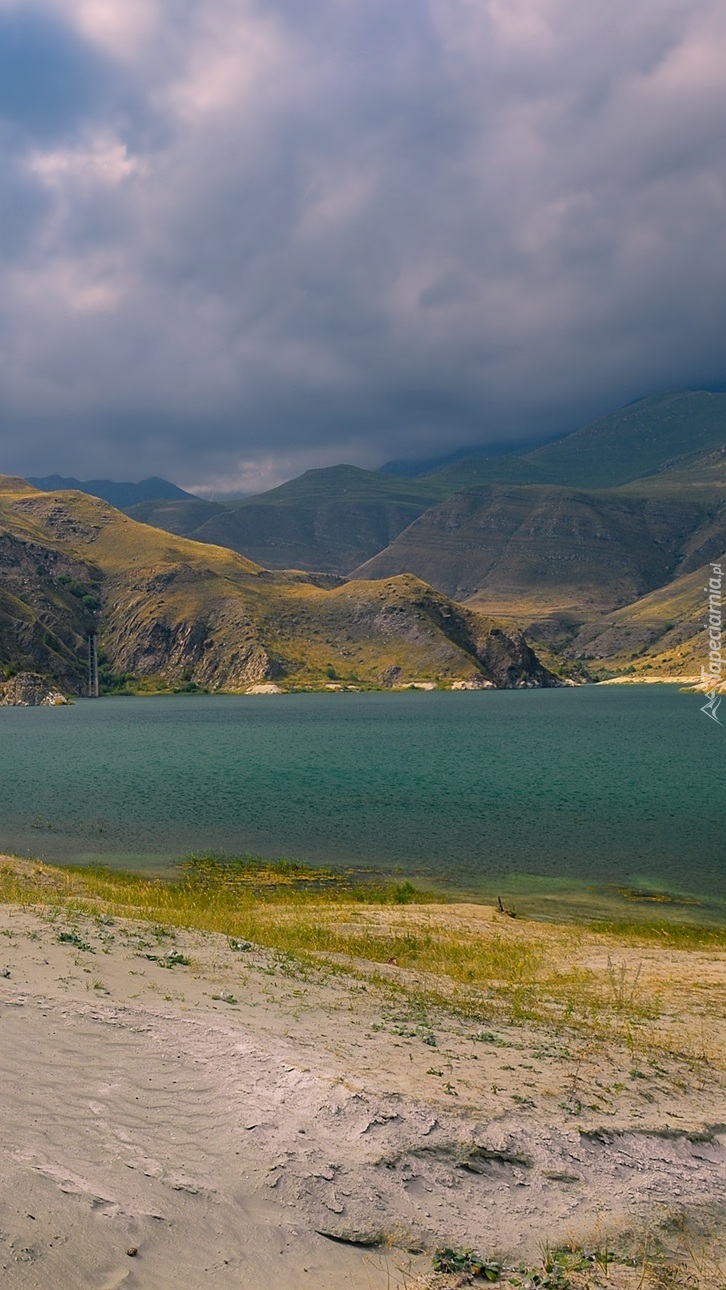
[{"x": 220, "y": 1123}]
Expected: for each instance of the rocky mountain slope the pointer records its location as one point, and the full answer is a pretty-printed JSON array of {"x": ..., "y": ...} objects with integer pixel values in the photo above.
[
  {"x": 544, "y": 549},
  {"x": 529, "y": 551},
  {"x": 552, "y": 539},
  {"x": 339, "y": 518},
  {"x": 662, "y": 632},
  {"x": 575, "y": 567},
  {"x": 49, "y": 597},
  {"x": 327, "y": 520},
  {"x": 176, "y": 613}
]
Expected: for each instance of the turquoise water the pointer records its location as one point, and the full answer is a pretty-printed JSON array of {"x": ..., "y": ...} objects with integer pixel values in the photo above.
[{"x": 551, "y": 789}]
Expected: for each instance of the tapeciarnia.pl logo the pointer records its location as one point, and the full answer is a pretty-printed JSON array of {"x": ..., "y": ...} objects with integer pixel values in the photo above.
[{"x": 713, "y": 672}]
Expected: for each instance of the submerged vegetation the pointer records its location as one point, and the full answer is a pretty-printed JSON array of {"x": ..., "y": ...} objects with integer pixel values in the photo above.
[{"x": 209, "y": 876}]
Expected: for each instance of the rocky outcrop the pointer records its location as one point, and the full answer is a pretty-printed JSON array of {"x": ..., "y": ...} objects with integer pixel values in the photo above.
[
  {"x": 502, "y": 657},
  {"x": 476, "y": 683},
  {"x": 508, "y": 661},
  {"x": 30, "y": 690}
]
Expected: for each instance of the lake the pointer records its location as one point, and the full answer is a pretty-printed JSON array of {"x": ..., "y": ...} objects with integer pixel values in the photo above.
[{"x": 596, "y": 794}]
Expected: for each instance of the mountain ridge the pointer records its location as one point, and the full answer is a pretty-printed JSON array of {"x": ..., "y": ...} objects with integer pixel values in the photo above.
[
  {"x": 120, "y": 495},
  {"x": 555, "y": 548},
  {"x": 338, "y": 518},
  {"x": 174, "y": 613},
  {"x": 326, "y": 520},
  {"x": 629, "y": 444},
  {"x": 553, "y": 540}
]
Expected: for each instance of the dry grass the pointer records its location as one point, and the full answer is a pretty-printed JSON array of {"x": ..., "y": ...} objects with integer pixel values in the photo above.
[{"x": 646, "y": 986}]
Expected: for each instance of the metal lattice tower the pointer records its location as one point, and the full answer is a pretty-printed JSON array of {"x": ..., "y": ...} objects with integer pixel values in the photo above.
[{"x": 93, "y": 666}]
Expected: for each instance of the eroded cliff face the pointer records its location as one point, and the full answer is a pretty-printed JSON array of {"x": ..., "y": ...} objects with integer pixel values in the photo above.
[
  {"x": 506, "y": 658},
  {"x": 49, "y": 603},
  {"x": 157, "y": 627}
]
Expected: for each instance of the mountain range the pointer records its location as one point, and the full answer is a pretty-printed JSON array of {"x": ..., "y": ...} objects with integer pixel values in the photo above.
[
  {"x": 328, "y": 520},
  {"x": 582, "y": 568},
  {"x": 171, "y": 613},
  {"x": 593, "y": 543},
  {"x": 559, "y": 540}
]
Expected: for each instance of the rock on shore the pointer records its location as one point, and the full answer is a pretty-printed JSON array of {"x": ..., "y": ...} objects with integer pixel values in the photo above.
[{"x": 30, "y": 690}]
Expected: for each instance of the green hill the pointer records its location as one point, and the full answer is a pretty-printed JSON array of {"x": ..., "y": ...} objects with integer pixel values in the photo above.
[
  {"x": 175, "y": 516},
  {"x": 629, "y": 444},
  {"x": 327, "y": 520},
  {"x": 175, "y": 613},
  {"x": 338, "y": 519},
  {"x": 705, "y": 471}
]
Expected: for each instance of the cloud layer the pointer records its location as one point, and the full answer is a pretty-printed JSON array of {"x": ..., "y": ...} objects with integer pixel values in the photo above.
[{"x": 241, "y": 237}]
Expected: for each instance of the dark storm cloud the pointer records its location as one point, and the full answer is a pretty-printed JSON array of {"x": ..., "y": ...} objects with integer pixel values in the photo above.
[{"x": 242, "y": 238}]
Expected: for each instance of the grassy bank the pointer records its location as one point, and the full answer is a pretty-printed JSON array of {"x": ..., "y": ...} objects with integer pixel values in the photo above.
[{"x": 645, "y": 984}]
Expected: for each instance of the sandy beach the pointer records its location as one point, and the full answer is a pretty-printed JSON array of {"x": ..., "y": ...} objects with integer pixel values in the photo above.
[{"x": 182, "y": 1110}]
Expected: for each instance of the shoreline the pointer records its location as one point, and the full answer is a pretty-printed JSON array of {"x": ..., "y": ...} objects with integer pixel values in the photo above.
[
  {"x": 652, "y": 680},
  {"x": 272, "y": 689},
  {"x": 558, "y": 900},
  {"x": 244, "y": 1115}
]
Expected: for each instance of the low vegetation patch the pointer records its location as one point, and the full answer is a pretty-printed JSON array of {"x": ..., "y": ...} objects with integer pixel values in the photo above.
[
  {"x": 652, "y": 1262},
  {"x": 605, "y": 981}
]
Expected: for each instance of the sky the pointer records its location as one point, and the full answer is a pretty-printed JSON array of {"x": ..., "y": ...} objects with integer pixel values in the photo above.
[{"x": 242, "y": 238}]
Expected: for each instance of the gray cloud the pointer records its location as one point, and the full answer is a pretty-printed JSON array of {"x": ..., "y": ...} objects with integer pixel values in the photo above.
[{"x": 243, "y": 238}]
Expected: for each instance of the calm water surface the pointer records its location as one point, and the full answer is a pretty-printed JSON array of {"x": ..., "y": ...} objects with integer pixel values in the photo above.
[{"x": 615, "y": 786}]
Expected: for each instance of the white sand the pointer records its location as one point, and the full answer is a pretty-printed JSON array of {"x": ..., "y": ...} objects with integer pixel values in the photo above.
[{"x": 219, "y": 1139}]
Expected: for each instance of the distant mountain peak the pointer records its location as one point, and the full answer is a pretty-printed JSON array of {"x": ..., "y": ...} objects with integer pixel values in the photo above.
[{"x": 119, "y": 495}]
